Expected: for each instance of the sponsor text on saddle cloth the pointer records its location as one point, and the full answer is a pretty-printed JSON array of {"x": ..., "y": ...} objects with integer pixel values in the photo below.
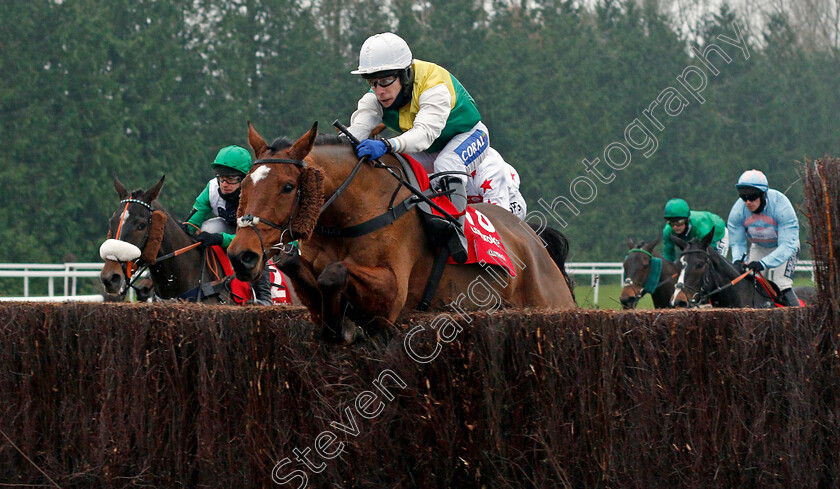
[
  {"x": 241, "y": 290},
  {"x": 484, "y": 242}
]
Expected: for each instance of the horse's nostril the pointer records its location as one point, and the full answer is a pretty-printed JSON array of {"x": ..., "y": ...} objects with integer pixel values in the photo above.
[
  {"x": 111, "y": 282},
  {"x": 249, "y": 259}
]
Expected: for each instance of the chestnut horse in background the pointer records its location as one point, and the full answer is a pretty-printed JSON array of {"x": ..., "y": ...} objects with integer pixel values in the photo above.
[{"x": 371, "y": 279}]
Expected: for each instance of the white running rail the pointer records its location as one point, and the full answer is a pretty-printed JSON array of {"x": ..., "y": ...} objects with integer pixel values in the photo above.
[
  {"x": 596, "y": 269},
  {"x": 68, "y": 274}
]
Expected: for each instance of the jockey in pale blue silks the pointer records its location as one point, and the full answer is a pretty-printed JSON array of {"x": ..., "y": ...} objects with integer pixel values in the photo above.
[{"x": 765, "y": 218}]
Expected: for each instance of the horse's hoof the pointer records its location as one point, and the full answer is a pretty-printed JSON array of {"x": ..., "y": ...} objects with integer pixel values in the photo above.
[
  {"x": 347, "y": 334},
  {"x": 352, "y": 334}
]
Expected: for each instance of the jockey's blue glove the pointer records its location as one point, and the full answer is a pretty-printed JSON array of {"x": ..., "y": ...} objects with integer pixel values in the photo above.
[
  {"x": 372, "y": 148},
  {"x": 210, "y": 239},
  {"x": 755, "y": 266}
]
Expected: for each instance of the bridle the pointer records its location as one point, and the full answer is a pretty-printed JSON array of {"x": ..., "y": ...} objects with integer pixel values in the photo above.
[
  {"x": 390, "y": 215},
  {"x": 134, "y": 269},
  {"x": 700, "y": 294},
  {"x": 251, "y": 220},
  {"x": 651, "y": 283}
]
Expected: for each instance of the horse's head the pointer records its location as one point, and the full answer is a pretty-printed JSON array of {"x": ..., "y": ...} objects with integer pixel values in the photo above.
[
  {"x": 637, "y": 266},
  {"x": 135, "y": 232},
  {"x": 280, "y": 202},
  {"x": 145, "y": 289},
  {"x": 695, "y": 262}
]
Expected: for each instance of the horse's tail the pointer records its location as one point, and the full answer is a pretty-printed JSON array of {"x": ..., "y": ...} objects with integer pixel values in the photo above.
[{"x": 558, "y": 249}]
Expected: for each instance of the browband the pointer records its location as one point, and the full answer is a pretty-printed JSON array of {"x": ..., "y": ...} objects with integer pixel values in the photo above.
[
  {"x": 135, "y": 201},
  {"x": 300, "y": 163}
]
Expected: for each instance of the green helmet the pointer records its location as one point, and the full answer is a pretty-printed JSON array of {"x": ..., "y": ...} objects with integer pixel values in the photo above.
[
  {"x": 677, "y": 208},
  {"x": 232, "y": 161}
]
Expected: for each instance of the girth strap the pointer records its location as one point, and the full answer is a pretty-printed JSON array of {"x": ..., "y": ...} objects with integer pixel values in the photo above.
[{"x": 434, "y": 278}]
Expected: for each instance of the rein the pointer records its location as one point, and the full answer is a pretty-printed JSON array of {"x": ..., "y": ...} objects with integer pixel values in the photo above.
[{"x": 134, "y": 269}]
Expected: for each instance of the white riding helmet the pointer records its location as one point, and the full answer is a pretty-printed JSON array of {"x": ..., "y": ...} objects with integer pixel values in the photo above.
[
  {"x": 753, "y": 178},
  {"x": 383, "y": 52}
]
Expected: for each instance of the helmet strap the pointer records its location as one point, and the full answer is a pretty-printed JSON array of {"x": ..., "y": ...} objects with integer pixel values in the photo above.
[
  {"x": 763, "y": 203},
  {"x": 407, "y": 82},
  {"x": 407, "y": 79}
]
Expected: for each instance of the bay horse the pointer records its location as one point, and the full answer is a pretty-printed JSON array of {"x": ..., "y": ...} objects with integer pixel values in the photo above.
[
  {"x": 706, "y": 276},
  {"x": 373, "y": 278},
  {"x": 646, "y": 273},
  {"x": 142, "y": 226}
]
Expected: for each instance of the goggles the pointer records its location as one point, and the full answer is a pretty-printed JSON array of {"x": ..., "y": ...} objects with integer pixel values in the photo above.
[
  {"x": 748, "y": 196},
  {"x": 385, "y": 81},
  {"x": 230, "y": 180}
]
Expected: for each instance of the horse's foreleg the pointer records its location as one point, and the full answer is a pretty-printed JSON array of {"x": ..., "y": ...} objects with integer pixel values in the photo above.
[
  {"x": 302, "y": 276},
  {"x": 332, "y": 282},
  {"x": 373, "y": 293}
]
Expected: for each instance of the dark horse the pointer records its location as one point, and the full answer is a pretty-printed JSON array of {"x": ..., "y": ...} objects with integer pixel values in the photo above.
[
  {"x": 706, "y": 276},
  {"x": 638, "y": 281},
  {"x": 142, "y": 227},
  {"x": 372, "y": 278}
]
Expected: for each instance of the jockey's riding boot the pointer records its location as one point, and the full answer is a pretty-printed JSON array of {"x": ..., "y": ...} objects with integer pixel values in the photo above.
[
  {"x": 457, "y": 242},
  {"x": 788, "y": 298},
  {"x": 262, "y": 289}
]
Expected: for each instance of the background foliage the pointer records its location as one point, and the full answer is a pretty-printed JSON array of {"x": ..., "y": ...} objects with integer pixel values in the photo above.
[{"x": 91, "y": 89}]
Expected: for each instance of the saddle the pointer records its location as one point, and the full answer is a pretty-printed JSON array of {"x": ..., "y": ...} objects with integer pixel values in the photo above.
[{"x": 485, "y": 244}]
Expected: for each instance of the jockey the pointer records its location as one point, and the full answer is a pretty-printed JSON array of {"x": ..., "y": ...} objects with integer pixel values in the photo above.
[
  {"x": 687, "y": 224},
  {"x": 437, "y": 119},
  {"x": 214, "y": 211},
  {"x": 765, "y": 217}
]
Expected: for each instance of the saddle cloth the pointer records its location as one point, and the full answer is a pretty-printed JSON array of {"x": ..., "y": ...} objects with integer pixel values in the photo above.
[{"x": 484, "y": 243}]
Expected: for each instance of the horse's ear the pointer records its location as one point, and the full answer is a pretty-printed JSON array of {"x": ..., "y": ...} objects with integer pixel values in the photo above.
[
  {"x": 311, "y": 185},
  {"x": 256, "y": 141},
  {"x": 679, "y": 242},
  {"x": 121, "y": 190},
  {"x": 707, "y": 239},
  {"x": 650, "y": 246},
  {"x": 630, "y": 243},
  {"x": 153, "y": 192},
  {"x": 303, "y": 146}
]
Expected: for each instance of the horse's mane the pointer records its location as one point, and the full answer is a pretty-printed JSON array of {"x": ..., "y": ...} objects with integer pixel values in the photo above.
[{"x": 323, "y": 139}]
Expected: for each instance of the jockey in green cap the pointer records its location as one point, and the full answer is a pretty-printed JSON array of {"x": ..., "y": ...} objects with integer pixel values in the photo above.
[
  {"x": 214, "y": 211},
  {"x": 687, "y": 224}
]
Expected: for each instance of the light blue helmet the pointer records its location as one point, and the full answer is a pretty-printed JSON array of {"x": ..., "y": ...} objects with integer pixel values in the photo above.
[{"x": 754, "y": 179}]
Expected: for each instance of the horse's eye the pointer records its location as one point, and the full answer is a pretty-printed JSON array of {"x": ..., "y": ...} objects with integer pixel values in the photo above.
[
  {"x": 287, "y": 188},
  {"x": 141, "y": 226},
  {"x": 698, "y": 265}
]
